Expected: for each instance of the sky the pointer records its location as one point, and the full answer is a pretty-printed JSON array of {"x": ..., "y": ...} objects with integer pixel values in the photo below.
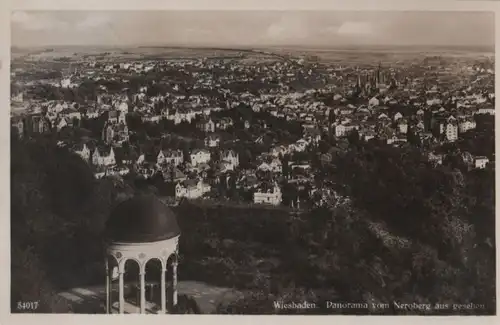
[{"x": 252, "y": 28}]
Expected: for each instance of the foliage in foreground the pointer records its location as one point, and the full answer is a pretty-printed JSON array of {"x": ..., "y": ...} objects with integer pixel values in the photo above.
[{"x": 412, "y": 233}]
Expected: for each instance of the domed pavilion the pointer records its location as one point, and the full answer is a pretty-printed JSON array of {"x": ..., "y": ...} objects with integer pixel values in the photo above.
[{"x": 142, "y": 244}]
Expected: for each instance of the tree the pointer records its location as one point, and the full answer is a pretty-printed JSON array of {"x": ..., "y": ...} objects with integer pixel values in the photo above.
[
  {"x": 413, "y": 138},
  {"x": 427, "y": 205},
  {"x": 353, "y": 138},
  {"x": 55, "y": 202},
  {"x": 285, "y": 166}
]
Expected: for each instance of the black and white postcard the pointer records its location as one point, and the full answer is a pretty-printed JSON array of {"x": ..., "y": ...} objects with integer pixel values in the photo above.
[{"x": 335, "y": 161}]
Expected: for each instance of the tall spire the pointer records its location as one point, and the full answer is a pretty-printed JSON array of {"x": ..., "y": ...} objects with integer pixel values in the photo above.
[
  {"x": 378, "y": 73},
  {"x": 359, "y": 77}
]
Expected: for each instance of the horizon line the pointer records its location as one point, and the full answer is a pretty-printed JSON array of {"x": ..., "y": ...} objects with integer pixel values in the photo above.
[{"x": 256, "y": 46}]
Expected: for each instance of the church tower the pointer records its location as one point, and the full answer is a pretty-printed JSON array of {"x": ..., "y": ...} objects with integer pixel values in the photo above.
[{"x": 378, "y": 75}]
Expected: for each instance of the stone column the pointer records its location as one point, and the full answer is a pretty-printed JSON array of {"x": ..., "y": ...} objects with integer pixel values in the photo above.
[
  {"x": 174, "y": 283},
  {"x": 110, "y": 310},
  {"x": 163, "y": 291},
  {"x": 121, "y": 290},
  {"x": 107, "y": 287},
  {"x": 143, "y": 292}
]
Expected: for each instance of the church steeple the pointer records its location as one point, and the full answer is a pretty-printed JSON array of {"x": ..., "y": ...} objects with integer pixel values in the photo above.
[
  {"x": 378, "y": 77},
  {"x": 358, "y": 84}
]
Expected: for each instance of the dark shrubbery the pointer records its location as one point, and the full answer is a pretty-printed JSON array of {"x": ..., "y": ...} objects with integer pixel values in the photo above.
[
  {"x": 410, "y": 233},
  {"x": 57, "y": 214}
]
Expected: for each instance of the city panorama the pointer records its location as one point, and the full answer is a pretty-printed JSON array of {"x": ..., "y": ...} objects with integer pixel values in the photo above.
[{"x": 227, "y": 162}]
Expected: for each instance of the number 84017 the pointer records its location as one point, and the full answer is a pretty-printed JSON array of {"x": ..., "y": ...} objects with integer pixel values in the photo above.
[{"x": 27, "y": 305}]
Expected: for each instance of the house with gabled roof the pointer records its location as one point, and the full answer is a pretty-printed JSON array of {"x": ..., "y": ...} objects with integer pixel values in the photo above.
[
  {"x": 199, "y": 156},
  {"x": 170, "y": 157},
  {"x": 212, "y": 141},
  {"x": 268, "y": 195},
  {"x": 231, "y": 157},
  {"x": 191, "y": 189},
  {"x": 83, "y": 151},
  {"x": 103, "y": 156}
]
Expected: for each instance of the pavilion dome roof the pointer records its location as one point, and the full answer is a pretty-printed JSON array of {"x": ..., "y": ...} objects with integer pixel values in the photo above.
[{"x": 143, "y": 218}]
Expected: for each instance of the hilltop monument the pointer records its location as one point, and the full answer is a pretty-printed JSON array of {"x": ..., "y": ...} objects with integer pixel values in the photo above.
[{"x": 141, "y": 231}]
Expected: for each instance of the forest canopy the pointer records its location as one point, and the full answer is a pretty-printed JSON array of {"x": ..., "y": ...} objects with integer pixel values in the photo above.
[{"x": 411, "y": 232}]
